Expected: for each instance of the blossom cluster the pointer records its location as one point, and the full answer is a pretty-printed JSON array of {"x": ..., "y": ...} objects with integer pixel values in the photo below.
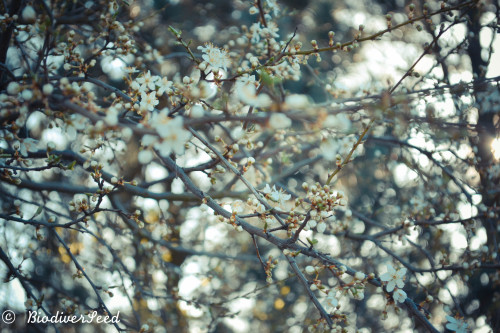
[{"x": 128, "y": 162}]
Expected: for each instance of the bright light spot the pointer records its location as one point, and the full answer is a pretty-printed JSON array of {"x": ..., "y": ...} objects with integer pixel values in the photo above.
[
  {"x": 237, "y": 324},
  {"x": 453, "y": 288},
  {"x": 55, "y": 135},
  {"x": 242, "y": 306},
  {"x": 192, "y": 268},
  {"x": 495, "y": 148},
  {"x": 187, "y": 285},
  {"x": 466, "y": 210},
  {"x": 155, "y": 172},
  {"x": 148, "y": 204},
  {"x": 213, "y": 235},
  {"x": 458, "y": 241},
  {"x": 205, "y": 33},
  {"x": 403, "y": 175},
  {"x": 190, "y": 227},
  {"x": 13, "y": 293},
  {"x": 359, "y": 18},
  {"x": 191, "y": 309},
  {"x": 420, "y": 141},
  {"x": 494, "y": 66},
  {"x": 456, "y": 235},
  {"x": 478, "y": 240},
  {"x": 117, "y": 301},
  {"x": 113, "y": 67}
]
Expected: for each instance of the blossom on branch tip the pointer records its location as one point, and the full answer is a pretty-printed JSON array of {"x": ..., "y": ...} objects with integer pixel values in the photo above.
[
  {"x": 393, "y": 277},
  {"x": 215, "y": 57},
  {"x": 399, "y": 296},
  {"x": 275, "y": 195}
]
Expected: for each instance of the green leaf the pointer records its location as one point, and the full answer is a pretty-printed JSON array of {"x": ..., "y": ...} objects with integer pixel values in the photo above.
[
  {"x": 72, "y": 165},
  {"x": 312, "y": 241},
  {"x": 175, "y": 32}
]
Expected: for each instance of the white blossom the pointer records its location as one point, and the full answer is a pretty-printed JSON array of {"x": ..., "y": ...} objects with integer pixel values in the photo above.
[
  {"x": 28, "y": 14},
  {"x": 296, "y": 101},
  {"x": 145, "y": 156},
  {"x": 331, "y": 300},
  {"x": 147, "y": 80},
  {"x": 148, "y": 101},
  {"x": 399, "y": 296},
  {"x": 215, "y": 57},
  {"x": 13, "y": 88},
  {"x": 393, "y": 277},
  {"x": 172, "y": 133},
  {"x": 339, "y": 122},
  {"x": 247, "y": 94},
  {"x": 47, "y": 89},
  {"x": 321, "y": 227},
  {"x": 278, "y": 196},
  {"x": 197, "y": 111},
  {"x": 329, "y": 149},
  {"x": 457, "y": 325},
  {"x": 237, "y": 206},
  {"x": 279, "y": 121},
  {"x": 310, "y": 270},
  {"x": 164, "y": 86}
]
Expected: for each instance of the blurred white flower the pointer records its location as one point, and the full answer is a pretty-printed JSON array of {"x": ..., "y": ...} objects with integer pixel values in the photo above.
[
  {"x": 279, "y": 121},
  {"x": 329, "y": 148},
  {"x": 296, "y": 101},
  {"x": 247, "y": 79},
  {"x": 47, "y": 89},
  {"x": 247, "y": 94},
  {"x": 255, "y": 29},
  {"x": 457, "y": 325},
  {"x": 111, "y": 116},
  {"x": 13, "y": 88},
  {"x": 271, "y": 31},
  {"x": 339, "y": 122},
  {"x": 172, "y": 132},
  {"x": 26, "y": 145},
  {"x": 197, "y": 111},
  {"x": 321, "y": 227},
  {"x": 145, "y": 156},
  {"x": 331, "y": 300},
  {"x": 28, "y": 14},
  {"x": 310, "y": 270},
  {"x": 237, "y": 206}
]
